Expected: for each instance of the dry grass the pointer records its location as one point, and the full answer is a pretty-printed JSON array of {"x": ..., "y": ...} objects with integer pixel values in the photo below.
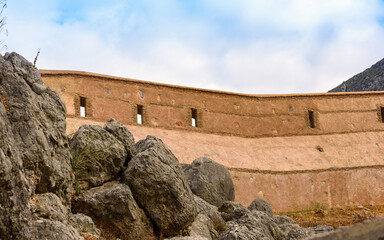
[{"x": 336, "y": 217}]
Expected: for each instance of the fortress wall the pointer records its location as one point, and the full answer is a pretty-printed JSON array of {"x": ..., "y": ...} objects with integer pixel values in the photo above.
[
  {"x": 265, "y": 141},
  {"x": 289, "y": 172},
  {"x": 170, "y": 107}
]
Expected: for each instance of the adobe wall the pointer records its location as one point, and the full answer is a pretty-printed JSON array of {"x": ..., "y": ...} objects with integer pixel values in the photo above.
[{"x": 265, "y": 141}]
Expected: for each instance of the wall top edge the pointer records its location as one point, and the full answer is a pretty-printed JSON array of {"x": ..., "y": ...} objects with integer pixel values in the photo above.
[{"x": 45, "y": 72}]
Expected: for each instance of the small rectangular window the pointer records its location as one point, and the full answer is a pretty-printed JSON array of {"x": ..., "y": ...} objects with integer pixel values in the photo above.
[
  {"x": 194, "y": 117},
  {"x": 139, "y": 114},
  {"x": 83, "y": 104},
  {"x": 382, "y": 114},
  {"x": 311, "y": 118}
]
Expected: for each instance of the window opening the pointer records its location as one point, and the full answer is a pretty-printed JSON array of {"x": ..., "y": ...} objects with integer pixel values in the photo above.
[
  {"x": 194, "y": 117},
  {"x": 311, "y": 117},
  {"x": 382, "y": 114},
  {"x": 139, "y": 114},
  {"x": 83, "y": 103}
]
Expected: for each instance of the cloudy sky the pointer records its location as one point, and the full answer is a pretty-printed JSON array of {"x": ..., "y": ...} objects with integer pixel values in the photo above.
[{"x": 247, "y": 46}]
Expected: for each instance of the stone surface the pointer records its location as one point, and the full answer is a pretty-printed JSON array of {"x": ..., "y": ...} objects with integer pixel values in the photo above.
[
  {"x": 84, "y": 225},
  {"x": 48, "y": 229},
  {"x": 210, "y": 180},
  {"x": 124, "y": 135},
  {"x": 187, "y": 238},
  {"x": 114, "y": 210},
  {"x": 211, "y": 212},
  {"x": 98, "y": 156},
  {"x": 49, "y": 206},
  {"x": 159, "y": 186},
  {"x": 369, "y": 229},
  {"x": 202, "y": 227},
  {"x": 34, "y": 153},
  {"x": 261, "y": 205}
]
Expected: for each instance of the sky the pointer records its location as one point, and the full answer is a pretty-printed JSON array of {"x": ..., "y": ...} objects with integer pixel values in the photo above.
[{"x": 244, "y": 46}]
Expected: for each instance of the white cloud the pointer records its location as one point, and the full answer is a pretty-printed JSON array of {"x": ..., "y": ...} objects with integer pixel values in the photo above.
[{"x": 242, "y": 46}]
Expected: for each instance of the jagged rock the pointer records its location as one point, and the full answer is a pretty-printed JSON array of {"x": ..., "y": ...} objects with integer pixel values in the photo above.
[
  {"x": 98, "y": 156},
  {"x": 84, "y": 225},
  {"x": 202, "y": 227},
  {"x": 297, "y": 233},
  {"x": 187, "y": 238},
  {"x": 48, "y": 229},
  {"x": 246, "y": 227},
  {"x": 49, "y": 206},
  {"x": 232, "y": 210},
  {"x": 210, "y": 180},
  {"x": 159, "y": 186},
  {"x": 34, "y": 154},
  {"x": 282, "y": 219},
  {"x": 124, "y": 135},
  {"x": 321, "y": 229},
  {"x": 211, "y": 212},
  {"x": 269, "y": 224},
  {"x": 114, "y": 210},
  {"x": 36, "y": 116},
  {"x": 261, "y": 205}
]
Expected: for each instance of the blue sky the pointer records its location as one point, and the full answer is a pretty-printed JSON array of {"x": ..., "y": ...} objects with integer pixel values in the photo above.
[{"x": 248, "y": 46}]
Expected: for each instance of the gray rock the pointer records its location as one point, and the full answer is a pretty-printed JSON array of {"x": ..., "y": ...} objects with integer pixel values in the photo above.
[
  {"x": 269, "y": 224},
  {"x": 261, "y": 205},
  {"x": 202, "y": 227},
  {"x": 187, "y": 238},
  {"x": 124, "y": 135},
  {"x": 84, "y": 225},
  {"x": 113, "y": 209},
  {"x": 210, "y": 180},
  {"x": 282, "y": 219},
  {"x": 322, "y": 229},
  {"x": 48, "y": 229},
  {"x": 247, "y": 227},
  {"x": 34, "y": 153},
  {"x": 297, "y": 233},
  {"x": 159, "y": 186},
  {"x": 232, "y": 210},
  {"x": 211, "y": 212},
  {"x": 49, "y": 206},
  {"x": 98, "y": 156}
]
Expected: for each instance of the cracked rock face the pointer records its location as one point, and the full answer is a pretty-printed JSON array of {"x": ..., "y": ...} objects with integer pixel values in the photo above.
[
  {"x": 36, "y": 117},
  {"x": 158, "y": 184},
  {"x": 34, "y": 152}
]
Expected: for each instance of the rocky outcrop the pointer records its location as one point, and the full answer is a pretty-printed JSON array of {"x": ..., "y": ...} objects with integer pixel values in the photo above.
[
  {"x": 123, "y": 135},
  {"x": 261, "y": 205},
  {"x": 114, "y": 209},
  {"x": 211, "y": 212},
  {"x": 98, "y": 156},
  {"x": 159, "y": 186},
  {"x": 372, "y": 79},
  {"x": 210, "y": 180},
  {"x": 35, "y": 170},
  {"x": 85, "y": 226}
]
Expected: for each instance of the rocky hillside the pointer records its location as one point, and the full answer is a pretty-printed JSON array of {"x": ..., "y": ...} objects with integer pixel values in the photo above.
[
  {"x": 372, "y": 79},
  {"x": 100, "y": 184}
]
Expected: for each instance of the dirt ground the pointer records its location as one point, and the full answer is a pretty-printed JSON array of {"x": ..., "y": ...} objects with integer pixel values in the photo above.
[{"x": 321, "y": 215}]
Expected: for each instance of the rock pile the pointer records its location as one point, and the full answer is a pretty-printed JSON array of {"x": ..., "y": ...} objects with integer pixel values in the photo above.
[{"x": 122, "y": 190}]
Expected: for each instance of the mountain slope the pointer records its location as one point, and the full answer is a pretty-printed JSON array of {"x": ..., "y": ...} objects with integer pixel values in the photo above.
[{"x": 372, "y": 79}]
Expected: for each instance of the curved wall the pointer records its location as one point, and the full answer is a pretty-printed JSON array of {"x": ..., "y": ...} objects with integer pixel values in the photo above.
[{"x": 266, "y": 141}]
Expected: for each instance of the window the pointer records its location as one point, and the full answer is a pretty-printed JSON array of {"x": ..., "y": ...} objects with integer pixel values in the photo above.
[
  {"x": 382, "y": 114},
  {"x": 311, "y": 118},
  {"x": 139, "y": 114},
  {"x": 83, "y": 104},
  {"x": 194, "y": 117}
]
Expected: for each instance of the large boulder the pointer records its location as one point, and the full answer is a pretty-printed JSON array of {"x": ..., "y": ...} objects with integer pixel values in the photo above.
[
  {"x": 159, "y": 186},
  {"x": 210, "y": 180},
  {"x": 123, "y": 135},
  {"x": 113, "y": 209},
  {"x": 98, "y": 156},
  {"x": 36, "y": 116},
  {"x": 34, "y": 153}
]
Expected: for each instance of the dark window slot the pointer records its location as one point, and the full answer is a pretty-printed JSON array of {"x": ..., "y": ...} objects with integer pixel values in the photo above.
[
  {"x": 311, "y": 117},
  {"x": 382, "y": 114},
  {"x": 194, "y": 118},
  {"x": 139, "y": 114},
  {"x": 83, "y": 106}
]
